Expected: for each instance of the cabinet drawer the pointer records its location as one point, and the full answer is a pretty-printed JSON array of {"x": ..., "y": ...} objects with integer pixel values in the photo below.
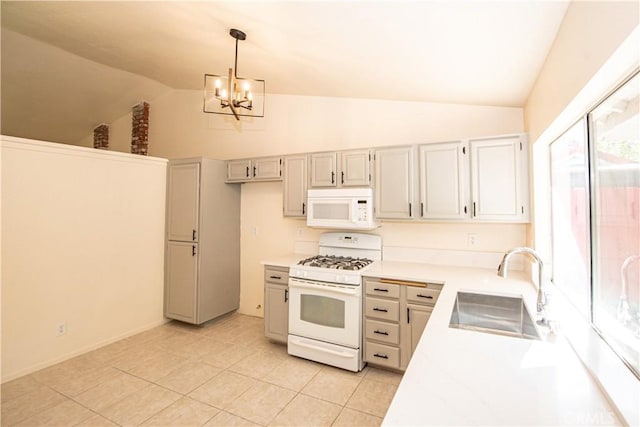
[
  {"x": 382, "y": 289},
  {"x": 422, "y": 295},
  {"x": 381, "y": 354},
  {"x": 276, "y": 276},
  {"x": 382, "y": 309},
  {"x": 382, "y": 331}
]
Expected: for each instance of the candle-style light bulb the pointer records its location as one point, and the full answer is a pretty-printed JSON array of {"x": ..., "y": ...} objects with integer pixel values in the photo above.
[
  {"x": 218, "y": 84},
  {"x": 245, "y": 90}
]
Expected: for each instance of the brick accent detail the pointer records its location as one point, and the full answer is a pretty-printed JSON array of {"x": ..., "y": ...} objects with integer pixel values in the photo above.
[
  {"x": 101, "y": 137},
  {"x": 140, "y": 129}
]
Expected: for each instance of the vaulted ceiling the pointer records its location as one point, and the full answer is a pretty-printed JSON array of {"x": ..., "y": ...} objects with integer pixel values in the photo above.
[{"x": 68, "y": 66}]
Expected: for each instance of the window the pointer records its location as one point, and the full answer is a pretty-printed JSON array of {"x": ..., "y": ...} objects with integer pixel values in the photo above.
[
  {"x": 570, "y": 211},
  {"x": 595, "y": 190}
]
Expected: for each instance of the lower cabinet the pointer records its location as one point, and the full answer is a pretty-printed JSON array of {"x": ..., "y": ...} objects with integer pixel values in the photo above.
[
  {"x": 276, "y": 303},
  {"x": 395, "y": 315}
]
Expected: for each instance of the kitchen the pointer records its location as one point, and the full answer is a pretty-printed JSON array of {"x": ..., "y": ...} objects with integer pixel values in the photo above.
[{"x": 264, "y": 231}]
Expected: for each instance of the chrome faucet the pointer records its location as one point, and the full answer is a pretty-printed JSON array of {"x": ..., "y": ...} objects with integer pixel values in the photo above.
[{"x": 542, "y": 296}]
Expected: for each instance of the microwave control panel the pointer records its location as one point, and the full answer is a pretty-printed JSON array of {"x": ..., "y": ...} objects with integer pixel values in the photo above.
[{"x": 362, "y": 211}]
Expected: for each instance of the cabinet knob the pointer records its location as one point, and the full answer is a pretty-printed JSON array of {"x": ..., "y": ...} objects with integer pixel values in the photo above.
[
  {"x": 381, "y": 332},
  {"x": 333, "y": 177},
  {"x": 424, "y": 296},
  {"x": 384, "y": 310},
  {"x": 380, "y": 290},
  {"x": 381, "y": 356}
]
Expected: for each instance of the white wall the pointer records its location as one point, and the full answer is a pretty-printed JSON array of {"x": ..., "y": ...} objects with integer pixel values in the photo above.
[
  {"x": 83, "y": 244},
  {"x": 590, "y": 33},
  {"x": 299, "y": 124},
  {"x": 275, "y": 236}
]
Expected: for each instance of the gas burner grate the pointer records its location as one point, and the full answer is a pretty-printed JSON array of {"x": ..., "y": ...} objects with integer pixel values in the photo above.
[{"x": 336, "y": 262}]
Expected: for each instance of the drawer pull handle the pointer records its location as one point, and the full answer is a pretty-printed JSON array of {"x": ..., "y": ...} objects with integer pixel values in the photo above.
[
  {"x": 380, "y": 290},
  {"x": 403, "y": 282},
  {"x": 384, "y": 310},
  {"x": 425, "y": 296},
  {"x": 381, "y": 332},
  {"x": 278, "y": 278},
  {"x": 381, "y": 356}
]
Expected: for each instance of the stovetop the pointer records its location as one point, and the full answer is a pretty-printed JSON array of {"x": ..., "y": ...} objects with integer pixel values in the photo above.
[
  {"x": 343, "y": 258},
  {"x": 336, "y": 262}
]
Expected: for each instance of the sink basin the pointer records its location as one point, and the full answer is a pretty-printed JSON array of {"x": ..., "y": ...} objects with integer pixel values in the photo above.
[{"x": 493, "y": 314}]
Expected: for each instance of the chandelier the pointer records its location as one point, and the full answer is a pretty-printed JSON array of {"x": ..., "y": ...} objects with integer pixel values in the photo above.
[{"x": 233, "y": 95}]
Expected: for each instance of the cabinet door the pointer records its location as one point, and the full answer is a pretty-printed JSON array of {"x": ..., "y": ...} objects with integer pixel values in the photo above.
[
  {"x": 181, "y": 281},
  {"x": 276, "y": 304},
  {"x": 323, "y": 170},
  {"x": 239, "y": 170},
  {"x": 417, "y": 318},
  {"x": 294, "y": 196},
  {"x": 497, "y": 176},
  {"x": 444, "y": 181},
  {"x": 183, "y": 202},
  {"x": 394, "y": 183},
  {"x": 267, "y": 169},
  {"x": 355, "y": 168}
]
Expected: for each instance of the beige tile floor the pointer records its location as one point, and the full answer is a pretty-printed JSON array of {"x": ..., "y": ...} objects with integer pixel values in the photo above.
[{"x": 223, "y": 373}]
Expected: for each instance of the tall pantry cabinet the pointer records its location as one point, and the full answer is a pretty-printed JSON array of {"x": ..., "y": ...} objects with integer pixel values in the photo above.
[{"x": 202, "y": 257}]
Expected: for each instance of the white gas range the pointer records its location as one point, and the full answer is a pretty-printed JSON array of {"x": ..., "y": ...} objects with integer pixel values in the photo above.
[{"x": 325, "y": 300}]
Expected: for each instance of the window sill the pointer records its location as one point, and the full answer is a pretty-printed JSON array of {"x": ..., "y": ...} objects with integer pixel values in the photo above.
[{"x": 616, "y": 380}]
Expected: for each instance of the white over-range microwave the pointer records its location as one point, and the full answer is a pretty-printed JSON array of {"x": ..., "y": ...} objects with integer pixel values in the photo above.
[{"x": 343, "y": 208}]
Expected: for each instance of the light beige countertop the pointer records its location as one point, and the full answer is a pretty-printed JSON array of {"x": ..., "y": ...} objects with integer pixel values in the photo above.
[
  {"x": 470, "y": 378},
  {"x": 284, "y": 260},
  {"x": 462, "y": 377}
]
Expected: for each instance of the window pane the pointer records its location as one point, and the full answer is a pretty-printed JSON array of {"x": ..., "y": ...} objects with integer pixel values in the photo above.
[
  {"x": 615, "y": 127},
  {"x": 570, "y": 225}
]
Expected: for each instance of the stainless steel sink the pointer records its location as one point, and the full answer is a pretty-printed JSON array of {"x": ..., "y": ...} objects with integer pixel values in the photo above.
[{"x": 493, "y": 314}]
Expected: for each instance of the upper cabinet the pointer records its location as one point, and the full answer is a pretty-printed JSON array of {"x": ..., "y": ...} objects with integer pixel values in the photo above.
[
  {"x": 294, "y": 197},
  {"x": 183, "y": 201},
  {"x": 394, "y": 183},
  {"x": 355, "y": 168},
  {"x": 444, "y": 181},
  {"x": 500, "y": 179},
  {"x": 341, "y": 169},
  {"x": 482, "y": 179},
  {"x": 260, "y": 169},
  {"x": 477, "y": 180},
  {"x": 324, "y": 167}
]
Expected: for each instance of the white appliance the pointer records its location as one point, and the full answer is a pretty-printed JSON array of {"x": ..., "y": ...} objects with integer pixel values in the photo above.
[
  {"x": 343, "y": 208},
  {"x": 325, "y": 300}
]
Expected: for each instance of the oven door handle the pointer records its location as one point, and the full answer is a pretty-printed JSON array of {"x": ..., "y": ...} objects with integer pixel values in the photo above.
[
  {"x": 299, "y": 284},
  {"x": 323, "y": 350}
]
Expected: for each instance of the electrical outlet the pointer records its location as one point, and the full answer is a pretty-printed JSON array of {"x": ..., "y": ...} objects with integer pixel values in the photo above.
[
  {"x": 61, "y": 328},
  {"x": 472, "y": 239}
]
